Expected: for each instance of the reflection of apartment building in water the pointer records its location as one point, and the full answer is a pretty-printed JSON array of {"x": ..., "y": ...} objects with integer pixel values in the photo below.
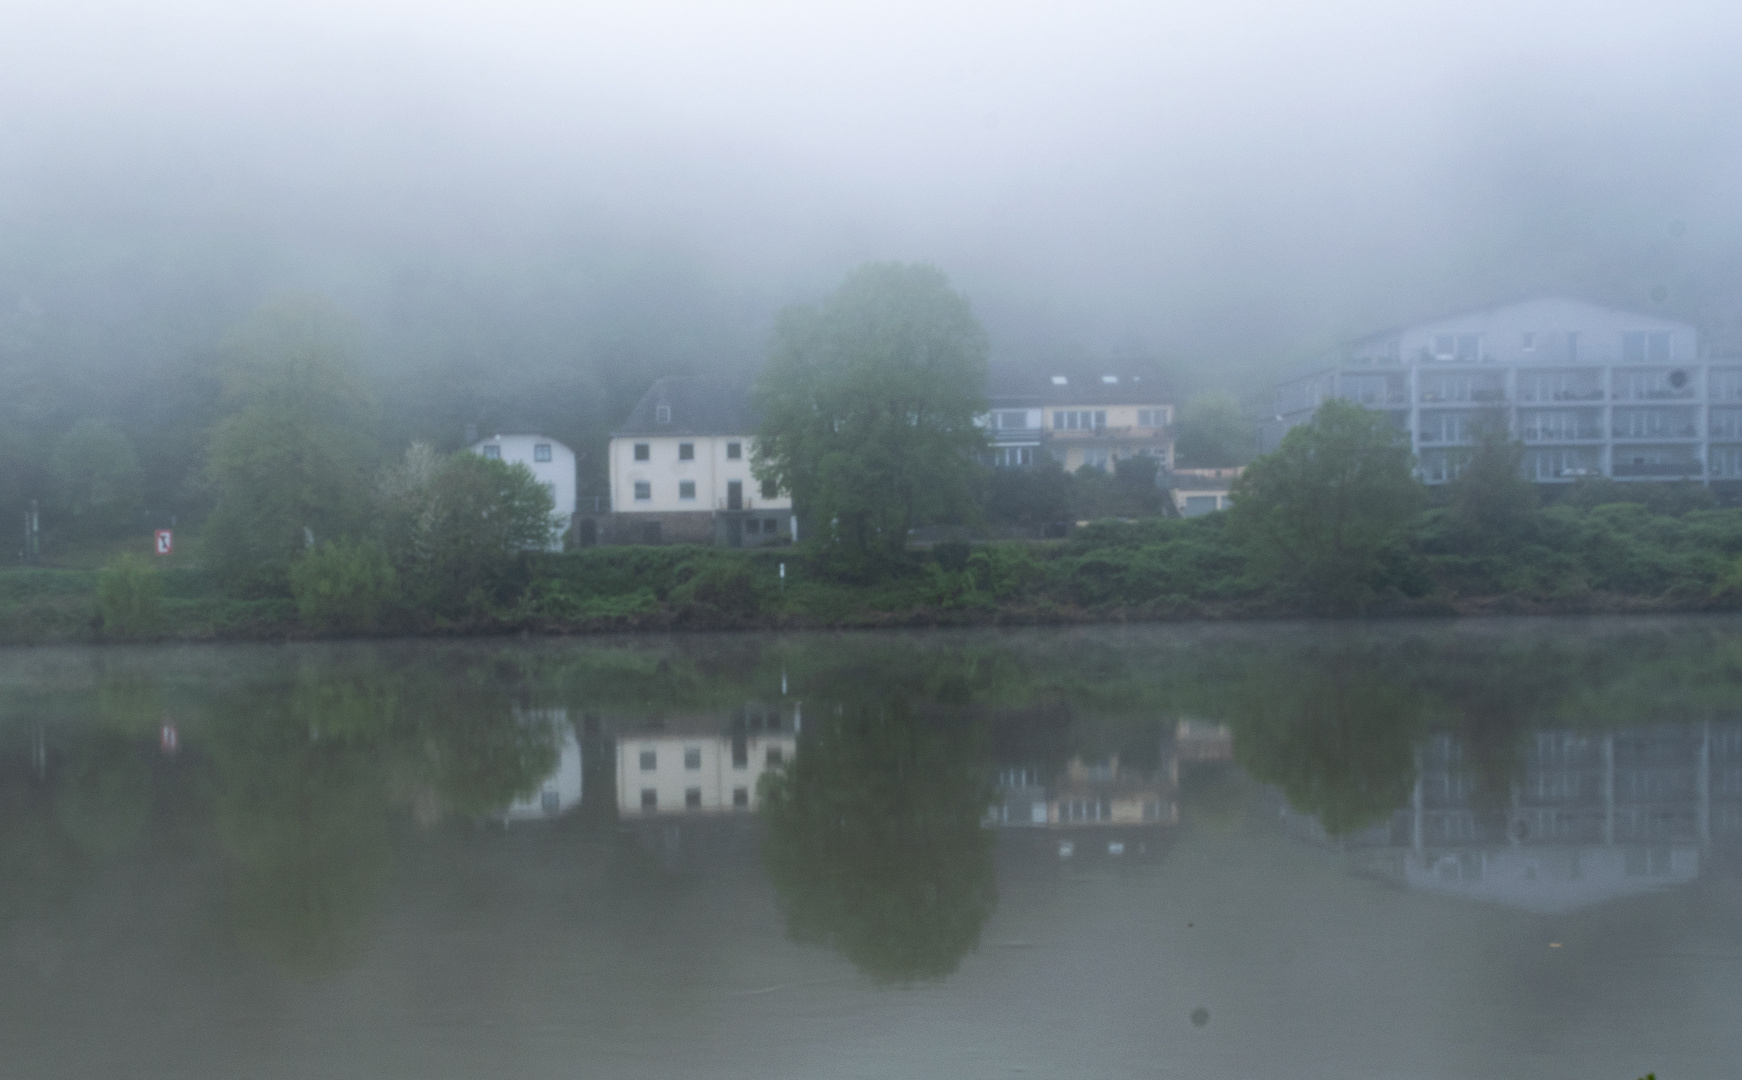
[
  {"x": 700, "y": 765},
  {"x": 1087, "y": 795},
  {"x": 1588, "y": 818}
]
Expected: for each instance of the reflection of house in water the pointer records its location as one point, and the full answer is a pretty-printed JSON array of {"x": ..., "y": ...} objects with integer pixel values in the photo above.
[
  {"x": 560, "y": 790},
  {"x": 1203, "y": 740},
  {"x": 1087, "y": 797},
  {"x": 1589, "y": 818},
  {"x": 702, "y": 765}
]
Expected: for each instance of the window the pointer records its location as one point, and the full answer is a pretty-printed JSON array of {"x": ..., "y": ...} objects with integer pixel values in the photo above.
[
  {"x": 649, "y": 760},
  {"x": 686, "y": 489},
  {"x": 692, "y": 798},
  {"x": 692, "y": 757},
  {"x": 1079, "y": 419},
  {"x": 643, "y": 491},
  {"x": 649, "y": 799},
  {"x": 774, "y": 756},
  {"x": 1151, "y": 417},
  {"x": 1643, "y": 345},
  {"x": 734, "y": 451},
  {"x": 741, "y": 797},
  {"x": 1725, "y": 424},
  {"x": 493, "y": 452},
  {"x": 662, "y": 414},
  {"x": 541, "y": 451},
  {"x": 740, "y": 752},
  {"x": 641, "y": 452},
  {"x": 769, "y": 489},
  {"x": 1010, "y": 418},
  {"x": 1009, "y": 457},
  {"x": 686, "y": 451}
]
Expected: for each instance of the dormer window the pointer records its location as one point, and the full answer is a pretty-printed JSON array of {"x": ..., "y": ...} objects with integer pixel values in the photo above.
[
  {"x": 1060, "y": 380},
  {"x": 1110, "y": 380},
  {"x": 662, "y": 414}
]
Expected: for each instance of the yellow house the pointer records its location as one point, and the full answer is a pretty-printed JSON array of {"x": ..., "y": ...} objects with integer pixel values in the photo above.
[{"x": 1081, "y": 420}]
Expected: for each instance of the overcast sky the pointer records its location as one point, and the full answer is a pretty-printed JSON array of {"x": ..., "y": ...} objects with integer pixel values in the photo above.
[{"x": 1230, "y": 184}]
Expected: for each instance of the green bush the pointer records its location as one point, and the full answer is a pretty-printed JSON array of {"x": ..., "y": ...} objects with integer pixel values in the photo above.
[
  {"x": 130, "y": 598},
  {"x": 343, "y": 586},
  {"x": 726, "y": 584}
]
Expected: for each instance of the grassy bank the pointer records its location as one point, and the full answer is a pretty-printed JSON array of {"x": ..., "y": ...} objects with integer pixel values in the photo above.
[{"x": 1611, "y": 558}]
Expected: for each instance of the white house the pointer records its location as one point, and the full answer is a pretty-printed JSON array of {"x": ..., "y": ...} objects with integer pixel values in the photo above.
[
  {"x": 552, "y": 463},
  {"x": 680, "y": 471},
  {"x": 700, "y": 773}
]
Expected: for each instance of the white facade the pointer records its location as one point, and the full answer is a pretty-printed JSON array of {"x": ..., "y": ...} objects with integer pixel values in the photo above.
[
  {"x": 1589, "y": 390},
  {"x": 696, "y": 774},
  {"x": 552, "y": 464},
  {"x": 667, "y": 474},
  {"x": 560, "y": 791}
]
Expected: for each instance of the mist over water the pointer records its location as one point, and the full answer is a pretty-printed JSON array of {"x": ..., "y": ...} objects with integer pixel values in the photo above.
[{"x": 601, "y": 191}]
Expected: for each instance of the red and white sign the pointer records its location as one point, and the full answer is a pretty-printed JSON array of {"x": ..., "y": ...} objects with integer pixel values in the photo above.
[{"x": 165, "y": 542}]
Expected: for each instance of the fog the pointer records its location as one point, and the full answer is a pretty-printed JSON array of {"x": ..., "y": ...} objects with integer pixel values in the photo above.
[{"x": 587, "y": 195}]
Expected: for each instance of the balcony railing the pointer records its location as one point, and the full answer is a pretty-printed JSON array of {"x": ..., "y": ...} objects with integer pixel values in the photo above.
[{"x": 1657, "y": 468}]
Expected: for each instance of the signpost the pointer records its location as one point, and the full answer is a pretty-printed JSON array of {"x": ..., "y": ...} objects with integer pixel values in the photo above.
[{"x": 165, "y": 542}]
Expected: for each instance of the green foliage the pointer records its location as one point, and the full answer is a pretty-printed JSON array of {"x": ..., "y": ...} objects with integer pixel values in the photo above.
[
  {"x": 96, "y": 480},
  {"x": 1212, "y": 432},
  {"x": 460, "y": 529},
  {"x": 868, "y": 403},
  {"x": 1129, "y": 492},
  {"x": 1033, "y": 496},
  {"x": 1490, "y": 499},
  {"x": 726, "y": 586},
  {"x": 874, "y": 840},
  {"x": 343, "y": 586},
  {"x": 288, "y": 467},
  {"x": 1318, "y": 514},
  {"x": 130, "y": 597}
]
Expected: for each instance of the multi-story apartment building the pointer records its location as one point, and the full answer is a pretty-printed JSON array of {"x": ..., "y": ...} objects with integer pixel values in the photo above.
[
  {"x": 680, "y": 471},
  {"x": 1590, "y": 390},
  {"x": 1584, "y": 817},
  {"x": 1094, "y": 420}
]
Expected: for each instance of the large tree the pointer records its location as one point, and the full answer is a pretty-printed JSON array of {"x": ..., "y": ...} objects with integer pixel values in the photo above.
[
  {"x": 1212, "y": 432},
  {"x": 96, "y": 479},
  {"x": 868, "y": 402},
  {"x": 289, "y": 465},
  {"x": 1317, "y": 514}
]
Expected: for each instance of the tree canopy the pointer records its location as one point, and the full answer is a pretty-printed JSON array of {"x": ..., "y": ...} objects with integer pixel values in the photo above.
[
  {"x": 868, "y": 403},
  {"x": 1319, "y": 512}
]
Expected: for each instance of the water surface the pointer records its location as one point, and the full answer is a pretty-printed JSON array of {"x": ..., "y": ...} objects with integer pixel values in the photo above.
[{"x": 1397, "y": 850}]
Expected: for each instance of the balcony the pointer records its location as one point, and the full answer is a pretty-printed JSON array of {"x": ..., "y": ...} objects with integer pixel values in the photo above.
[{"x": 1657, "y": 469}]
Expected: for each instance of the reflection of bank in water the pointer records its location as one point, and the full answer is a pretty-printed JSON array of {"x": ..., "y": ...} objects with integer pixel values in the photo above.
[
  {"x": 702, "y": 764},
  {"x": 1090, "y": 809},
  {"x": 1589, "y": 818},
  {"x": 560, "y": 790}
]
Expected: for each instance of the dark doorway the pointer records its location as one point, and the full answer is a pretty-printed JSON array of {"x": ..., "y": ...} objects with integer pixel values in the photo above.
[
  {"x": 650, "y": 532},
  {"x": 588, "y": 532},
  {"x": 734, "y": 532},
  {"x": 734, "y": 494}
]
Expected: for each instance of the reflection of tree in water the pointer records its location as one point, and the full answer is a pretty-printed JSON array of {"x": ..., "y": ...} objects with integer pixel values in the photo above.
[
  {"x": 307, "y": 781},
  {"x": 874, "y": 840},
  {"x": 1335, "y": 734}
]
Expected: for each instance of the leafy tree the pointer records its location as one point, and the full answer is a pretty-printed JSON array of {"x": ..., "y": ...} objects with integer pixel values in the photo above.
[
  {"x": 458, "y": 529},
  {"x": 1319, "y": 513},
  {"x": 1212, "y": 432},
  {"x": 1130, "y": 492},
  {"x": 868, "y": 402},
  {"x": 1490, "y": 499},
  {"x": 342, "y": 586},
  {"x": 1033, "y": 496},
  {"x": 96, "y": 479},
  {"x": 289, "y": 466},
  {"x": 875, "y": 843}
]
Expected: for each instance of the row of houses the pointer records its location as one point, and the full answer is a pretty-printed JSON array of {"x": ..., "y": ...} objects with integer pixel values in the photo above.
[{"x": 679, "y": 468}]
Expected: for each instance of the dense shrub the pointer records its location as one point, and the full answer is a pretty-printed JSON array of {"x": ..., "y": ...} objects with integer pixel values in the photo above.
[
  {"x": 130, "y": 598},
  {"x": 343, "y": 586}
]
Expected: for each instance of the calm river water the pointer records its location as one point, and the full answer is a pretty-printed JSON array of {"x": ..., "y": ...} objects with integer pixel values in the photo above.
[{"x": 1481, "y": 849}]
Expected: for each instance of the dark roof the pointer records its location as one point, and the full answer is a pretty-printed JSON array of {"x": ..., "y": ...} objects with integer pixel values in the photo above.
[
  {"x": 698, "y": 407},
  {"x": 1078, "y": 388},
  {"x": 1498, "y": 305}
]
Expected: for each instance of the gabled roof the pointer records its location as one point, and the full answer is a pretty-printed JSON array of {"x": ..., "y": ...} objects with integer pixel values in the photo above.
[
  {"x": 1078, "y": 388},
  {"x": 697, "y": 407}
]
